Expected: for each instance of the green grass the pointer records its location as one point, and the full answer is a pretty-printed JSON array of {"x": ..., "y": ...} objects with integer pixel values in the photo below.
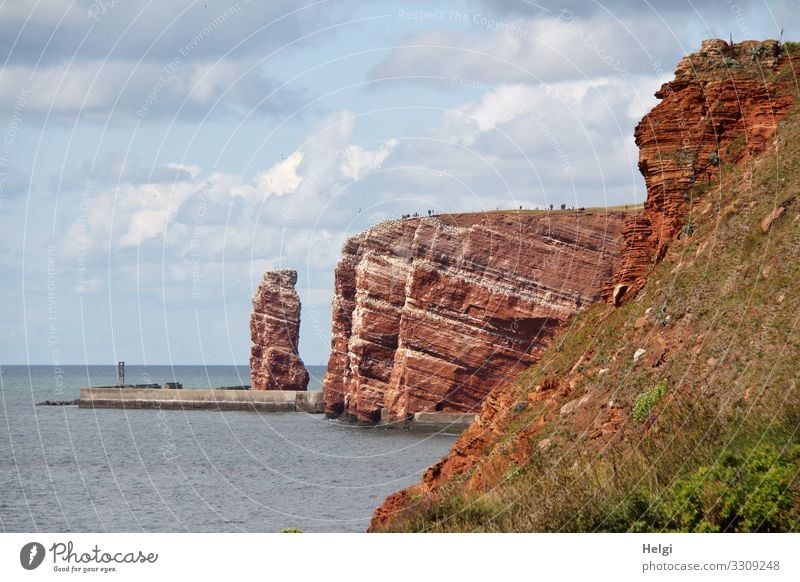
[{"x": 464, "y": 219}]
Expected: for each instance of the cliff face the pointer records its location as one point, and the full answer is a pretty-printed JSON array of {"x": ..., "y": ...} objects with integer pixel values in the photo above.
[
  {"x": 431, "y": 314},
  {"x": 274, "y": 331},
  {"x": 722, "y": 108},
  {"x": 698, "y": 155}
]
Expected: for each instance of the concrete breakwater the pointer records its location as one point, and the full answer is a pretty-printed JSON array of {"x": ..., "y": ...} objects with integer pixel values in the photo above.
[
  {"x": 253, "y": 400},
  {"x": 262, "y": 401},
  {"x": 448, "y": 422}
]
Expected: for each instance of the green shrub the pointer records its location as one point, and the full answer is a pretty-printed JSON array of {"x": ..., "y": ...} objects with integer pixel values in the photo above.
[
  {"x": 745, "y": 492},
  {"x": 646, "y": 400},
  {"x": 756, "y": 52},
  {"x": 792, "y": 48},
  {"x": 731, "y": 63}
]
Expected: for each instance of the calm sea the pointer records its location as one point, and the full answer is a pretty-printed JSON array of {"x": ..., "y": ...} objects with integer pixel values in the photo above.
[{"x": 65, "y": 469}]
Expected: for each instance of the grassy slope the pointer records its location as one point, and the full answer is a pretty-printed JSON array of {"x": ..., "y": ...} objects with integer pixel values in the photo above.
[
  {"x": 465, "y": 219},
  {"x": 709, "y": 438}
]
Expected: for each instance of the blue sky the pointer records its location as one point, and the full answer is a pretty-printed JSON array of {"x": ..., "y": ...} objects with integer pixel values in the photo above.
[{"x": 157, "y": 157}]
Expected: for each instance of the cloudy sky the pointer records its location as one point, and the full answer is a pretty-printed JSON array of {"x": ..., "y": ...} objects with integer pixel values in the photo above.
[{"x": 157, "y": 157}]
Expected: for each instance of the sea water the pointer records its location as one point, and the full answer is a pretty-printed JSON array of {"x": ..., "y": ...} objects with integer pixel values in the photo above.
[{"x": 68, "y": 469}]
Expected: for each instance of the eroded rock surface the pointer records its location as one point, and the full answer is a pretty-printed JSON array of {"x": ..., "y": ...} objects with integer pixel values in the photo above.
[
  {"x": 274, "y": 331},
  {"x": 722, "y": 107},
  {"x": 431, "y": 314}
]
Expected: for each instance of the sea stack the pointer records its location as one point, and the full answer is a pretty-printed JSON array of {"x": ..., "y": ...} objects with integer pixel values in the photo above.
[{"x": 274, "y": 331}]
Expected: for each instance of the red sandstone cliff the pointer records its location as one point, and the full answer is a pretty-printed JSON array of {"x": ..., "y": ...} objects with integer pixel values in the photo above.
[
  {"x": 274, "y": 330},
  {"x": 433, "y": 313},
  {"x": 723, "y": 107}
]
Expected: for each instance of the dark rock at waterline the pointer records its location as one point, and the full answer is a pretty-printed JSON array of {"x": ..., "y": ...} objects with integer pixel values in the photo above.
[{"x": 58, "y": 402}]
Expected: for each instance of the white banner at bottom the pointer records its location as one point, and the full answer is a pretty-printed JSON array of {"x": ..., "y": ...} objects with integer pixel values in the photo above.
[{"x": 401, "y": 557}]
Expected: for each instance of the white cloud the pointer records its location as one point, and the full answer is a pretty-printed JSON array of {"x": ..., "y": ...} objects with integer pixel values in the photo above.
[
  {"x": 565, "y": 111},
  {"x": 548, "y": 48},
  {"x": 225, "y": 214},
  {"x": 499, "y": 106},
  {"x": 151, "y": 30},
  {"x": 282, "y": 177},
  {"x": 528, "y": 144},
  {"x": 141, "y": 90},
  {"x": 222, "y": 185},
  {"x": 193, "y": 170},
  {"x": 150, "y": 208},
  {"x": 358, "y": 161}
]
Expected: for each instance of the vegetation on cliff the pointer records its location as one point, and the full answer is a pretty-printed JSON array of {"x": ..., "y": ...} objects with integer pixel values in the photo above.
[{"x": 679, "y": 410}]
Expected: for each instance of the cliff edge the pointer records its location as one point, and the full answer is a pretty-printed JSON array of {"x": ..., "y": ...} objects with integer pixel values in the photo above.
[
  {"x": 431, "y": 314},
  {"x": 722, "y": 107}
]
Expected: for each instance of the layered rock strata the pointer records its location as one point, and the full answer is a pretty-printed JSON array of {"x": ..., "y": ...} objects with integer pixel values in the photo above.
[
  {"x": 431, "y": 314},
  {"x": 274, "y": 331},
  {"x": 722, "y": 107}
]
